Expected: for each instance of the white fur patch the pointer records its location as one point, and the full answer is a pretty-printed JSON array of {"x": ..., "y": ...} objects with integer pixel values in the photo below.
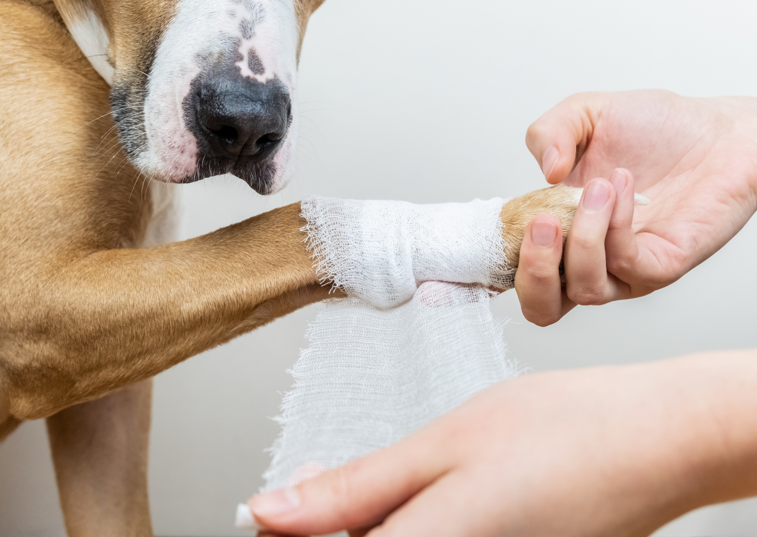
[
  {"x": 89, "y": 33},
  {"x": 200, "y": 29},
  {"x": 166, "y": 215}
]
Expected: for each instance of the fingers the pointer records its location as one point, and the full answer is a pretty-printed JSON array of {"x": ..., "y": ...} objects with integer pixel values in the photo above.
[
  {"x": 561, "y": 135},
  {"x": 537, "y": 280},
  {"x": 637, "y": 259},
  {"x": 601, "y": 252},
  {"x": 622, "y": 249},
  {"x": 357, "y": 495},
  {"x": 587, "y": 279}
]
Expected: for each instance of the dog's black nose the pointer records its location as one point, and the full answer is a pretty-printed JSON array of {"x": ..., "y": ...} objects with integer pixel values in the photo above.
[{"x": 242, "y": 119}]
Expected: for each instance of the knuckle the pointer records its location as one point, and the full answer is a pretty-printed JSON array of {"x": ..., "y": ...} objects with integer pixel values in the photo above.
[
  {"x": 578, "y": 101},
  {"x": 340, "y": 488},
  {"x": 583, "y": 242},
  {"x": 619, "y": 225},
  {"x": 659, "y": 281},
  {"x": 586, "y": 296},
  {"x": 619, "y": 265},
  {"x": 541, "y": 276},
  {"x": 534, "y": 133},
  {"x": 581, "y": 96}
]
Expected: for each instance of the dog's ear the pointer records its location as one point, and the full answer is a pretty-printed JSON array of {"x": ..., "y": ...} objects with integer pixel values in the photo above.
[
  {"x": 309, "y": 5},
  {"x": 304, "y": 9},
  {"x": 117, "y": 35},
  {"x": 87, "y": 24}
]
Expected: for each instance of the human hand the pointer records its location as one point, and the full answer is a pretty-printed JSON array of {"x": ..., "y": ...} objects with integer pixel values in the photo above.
[
  {"x": 613, "y": 451},
  {"x": 695, "y": 159}
]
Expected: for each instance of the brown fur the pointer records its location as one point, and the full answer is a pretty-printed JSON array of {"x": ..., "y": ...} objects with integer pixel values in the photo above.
[
  {"x": 558, "y": 201},
  {"x": 79, "y": 290},
  {"x": 83, "y": 312},
  {"x": 100, "y": 455},
  {"x": 87, "y": 317},
  {"x": 304, "y": 9}
]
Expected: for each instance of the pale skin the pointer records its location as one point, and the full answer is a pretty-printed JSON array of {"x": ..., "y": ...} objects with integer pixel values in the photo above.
[
  {"x": 696, "y": 159},
  {"x": 611, "y": 451}
]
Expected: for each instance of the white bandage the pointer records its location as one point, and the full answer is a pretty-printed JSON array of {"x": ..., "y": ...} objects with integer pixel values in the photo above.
[
  {"x": 380, "y": 251},
  {"x": 396, "y": 355}
]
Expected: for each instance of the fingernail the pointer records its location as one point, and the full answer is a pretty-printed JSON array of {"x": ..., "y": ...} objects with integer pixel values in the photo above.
[
  {"x": 279, "y": 501},
  {"x": 619, "y": 180},
  {"x": 549, "y": 161},
  {"x": 245, "y": 519},
  {"x": 596, "y": 196},
  {"x": 543, "y": 233}
]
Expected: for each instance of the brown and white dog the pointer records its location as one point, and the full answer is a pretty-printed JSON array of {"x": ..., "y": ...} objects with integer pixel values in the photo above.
[{"x": 95, "y": 298}]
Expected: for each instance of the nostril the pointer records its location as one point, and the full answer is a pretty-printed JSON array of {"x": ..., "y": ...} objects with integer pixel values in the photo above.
[
  {"x": 266, "y": 140},
  {"x": 227, "y": 134}
]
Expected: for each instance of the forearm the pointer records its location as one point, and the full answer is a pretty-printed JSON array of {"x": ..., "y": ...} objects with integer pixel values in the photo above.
[{"x": 704, "y": 411}]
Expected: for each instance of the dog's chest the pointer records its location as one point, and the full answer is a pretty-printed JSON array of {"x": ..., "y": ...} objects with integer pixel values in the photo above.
[{"x": 166, "y": 215}]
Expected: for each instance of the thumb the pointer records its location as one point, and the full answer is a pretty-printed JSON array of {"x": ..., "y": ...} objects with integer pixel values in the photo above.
[
  {"x": 558, "y": 139},
  {"x": 358, "y": 495}
]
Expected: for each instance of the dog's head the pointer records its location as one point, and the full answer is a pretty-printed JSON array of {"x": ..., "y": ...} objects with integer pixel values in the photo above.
[{"x": 199, "y": 87}]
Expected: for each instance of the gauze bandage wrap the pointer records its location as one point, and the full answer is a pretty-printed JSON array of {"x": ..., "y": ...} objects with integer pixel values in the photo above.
[
  {"x": 380, "y": 251},
  {"x": 399, "y": 352}
]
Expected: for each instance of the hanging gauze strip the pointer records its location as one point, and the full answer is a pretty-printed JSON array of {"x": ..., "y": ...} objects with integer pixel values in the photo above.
[{"x": 406, "y": 346}]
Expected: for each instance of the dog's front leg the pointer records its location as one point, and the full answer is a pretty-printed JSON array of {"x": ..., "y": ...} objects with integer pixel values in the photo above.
[
  {"x": 96, "y": 321},
  {"x": 99, "y": 451}
]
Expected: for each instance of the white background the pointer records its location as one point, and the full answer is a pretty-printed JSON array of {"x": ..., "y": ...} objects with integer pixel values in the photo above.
[{"x": 427, "y": 101}]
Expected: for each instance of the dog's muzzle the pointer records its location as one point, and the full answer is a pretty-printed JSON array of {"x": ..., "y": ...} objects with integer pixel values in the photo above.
[{"x": 239, "y": 124}]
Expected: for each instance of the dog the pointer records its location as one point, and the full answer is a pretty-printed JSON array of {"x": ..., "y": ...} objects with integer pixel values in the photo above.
[{"x": 102, "y": 101}]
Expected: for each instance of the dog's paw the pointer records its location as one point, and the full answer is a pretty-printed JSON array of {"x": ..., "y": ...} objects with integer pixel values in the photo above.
[{"x": 559, "y": 201}]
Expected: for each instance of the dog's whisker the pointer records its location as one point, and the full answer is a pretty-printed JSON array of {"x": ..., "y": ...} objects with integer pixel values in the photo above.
[{"x": 136, "y": 179}]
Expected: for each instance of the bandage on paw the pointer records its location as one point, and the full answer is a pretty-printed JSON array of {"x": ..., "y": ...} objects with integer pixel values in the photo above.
[{"x": 381, "y": 251}]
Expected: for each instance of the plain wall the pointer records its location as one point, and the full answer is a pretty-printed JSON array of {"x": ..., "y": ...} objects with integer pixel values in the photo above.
[{"x": 428, "y": 101}]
